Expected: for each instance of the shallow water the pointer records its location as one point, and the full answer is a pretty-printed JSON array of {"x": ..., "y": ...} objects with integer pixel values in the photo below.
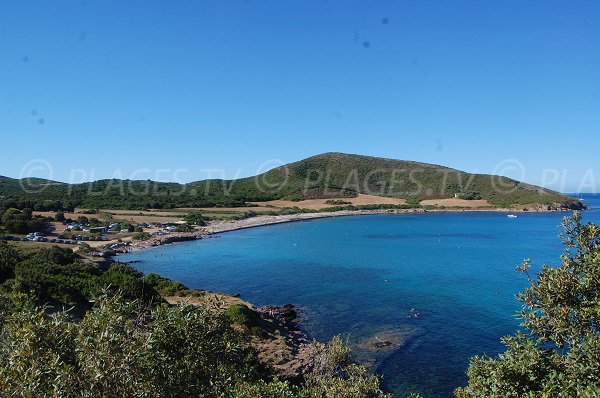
[{"x": 362, "y": 275}]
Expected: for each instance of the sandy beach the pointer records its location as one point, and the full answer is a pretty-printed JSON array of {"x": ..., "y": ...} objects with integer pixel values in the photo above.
[
  {"x": 215, "y": 227},
  {"x": 220, "y": 226}
]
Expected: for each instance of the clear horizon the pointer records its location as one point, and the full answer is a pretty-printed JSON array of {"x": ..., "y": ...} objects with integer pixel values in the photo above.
[{"x": 188, "y": 90}]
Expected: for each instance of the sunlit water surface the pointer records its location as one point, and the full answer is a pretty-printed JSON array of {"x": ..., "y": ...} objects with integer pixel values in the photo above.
[{"x": 362, "y": 275}]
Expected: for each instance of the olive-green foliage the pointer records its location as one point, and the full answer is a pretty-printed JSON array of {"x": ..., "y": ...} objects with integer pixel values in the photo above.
[
  {"x": 9, "y": 258},
  {"x": 59, "y": 277},
  {"x": 559, "y": 355},
  {"x": 117, "y": 351},
  {"x": 195, "y": 219},
  {"x": 469, "y": 195},
  {"x": 52, "y": 275},
  {"x": 183, "y": 228},
  {"x": 125, "y": 280},
  {"x": 244, "y": 215},
  {"x": 264, "y": 389},
  {"x": 141, "y": 236},
  {"x": 55, "y": 283},
  {"x": 337, "y": 202},
  {"x": 242, "y": 315},
  {"x": 54, "y": 255},
  {"x": 334, "y": 376},
  {"x": 21, "y": 221},
  {"x": 165, "y": 286},
  {"x": 330, "y": 175}
]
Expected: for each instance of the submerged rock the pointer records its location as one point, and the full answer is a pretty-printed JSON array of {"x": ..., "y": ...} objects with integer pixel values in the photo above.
[{"x": 374, "y": 349}]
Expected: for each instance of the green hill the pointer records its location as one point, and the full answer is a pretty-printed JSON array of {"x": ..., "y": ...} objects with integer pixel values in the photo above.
[
  {"x": 339, "y": 175},
  {"x": 323, "y": 176}
]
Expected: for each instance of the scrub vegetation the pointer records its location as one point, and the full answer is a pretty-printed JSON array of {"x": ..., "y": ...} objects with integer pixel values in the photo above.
[{"x": 330, "y": 175}]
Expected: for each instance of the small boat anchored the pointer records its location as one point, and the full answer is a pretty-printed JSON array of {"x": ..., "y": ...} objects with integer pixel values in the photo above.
[{"x": 512, "y": 216}]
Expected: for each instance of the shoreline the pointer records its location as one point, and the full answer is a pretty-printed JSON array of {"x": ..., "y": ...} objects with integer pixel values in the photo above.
[
  {"x": 217, "y": 227},
  {"x": 287, "y": 346}
]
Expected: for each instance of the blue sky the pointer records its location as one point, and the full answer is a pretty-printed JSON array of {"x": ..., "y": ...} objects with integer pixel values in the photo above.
[{"x": 170, "y": 89}]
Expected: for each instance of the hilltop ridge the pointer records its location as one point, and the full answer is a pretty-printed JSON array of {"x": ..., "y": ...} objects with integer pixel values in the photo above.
[{"x": 328, "y": 175}]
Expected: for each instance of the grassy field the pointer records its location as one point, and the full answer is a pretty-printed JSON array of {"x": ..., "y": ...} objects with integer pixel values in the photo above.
[
  {"x": 137, "y": 217},
  {"x": 318, "y": 204},
  {"x": 453, "y": 202}
]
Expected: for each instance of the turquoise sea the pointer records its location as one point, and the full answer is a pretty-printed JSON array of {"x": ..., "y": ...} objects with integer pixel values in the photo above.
[{"x": 362, "y": 275}]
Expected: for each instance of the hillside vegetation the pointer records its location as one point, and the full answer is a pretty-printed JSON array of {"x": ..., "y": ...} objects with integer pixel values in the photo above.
[{"x": 330, "y": 175}]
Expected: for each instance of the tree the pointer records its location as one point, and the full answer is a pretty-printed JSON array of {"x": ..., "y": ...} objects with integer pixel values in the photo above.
[
  {"x": 195, "y": 219},
  {"x": 94, "y": 222},
  {"x": 183, "y": 228},
  {"x": 60, "y": 216},
  {"x": 559, "y": 355},
  {"x": 22, "y": 221}
]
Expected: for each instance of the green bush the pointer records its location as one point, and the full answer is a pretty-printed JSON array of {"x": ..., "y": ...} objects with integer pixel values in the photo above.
[
  {"x": 121, "y": 278},
  {"x": 141, "y": 236},
  {"x": 179, "y": 351},
  {"x": 22, "y": 221},
  {"x": 50, "y": 283},
  {"x": 195, "y": 219},
  {"x": 184, "y": 228},
  {"x": 469, "y": 195},
  {"x": 165, "y": 286},
  {"x": 9, "y": 258},
  {"x": 337, "y": 202},
  {"x": 242, "y": 315}
]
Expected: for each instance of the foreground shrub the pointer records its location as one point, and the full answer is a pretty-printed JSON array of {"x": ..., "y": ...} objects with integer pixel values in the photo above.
[
  {"x": 117, "y": 350},
  {"x": 165, "y": 286},
  {"x": 242, "y": 315}
]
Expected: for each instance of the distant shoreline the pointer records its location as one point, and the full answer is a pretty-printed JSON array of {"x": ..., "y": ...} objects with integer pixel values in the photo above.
[{"x": 218, "y": 227}]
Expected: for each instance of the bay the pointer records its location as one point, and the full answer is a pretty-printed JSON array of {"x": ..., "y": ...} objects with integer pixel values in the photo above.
[{"x": 367, "y": 276}]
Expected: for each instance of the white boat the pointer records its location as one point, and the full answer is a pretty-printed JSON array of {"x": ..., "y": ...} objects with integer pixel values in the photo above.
[{"x": 512, "y": 216}]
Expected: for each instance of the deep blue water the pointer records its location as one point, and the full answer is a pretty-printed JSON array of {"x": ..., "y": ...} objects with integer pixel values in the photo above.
[{"x": 363, "y": 274}]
